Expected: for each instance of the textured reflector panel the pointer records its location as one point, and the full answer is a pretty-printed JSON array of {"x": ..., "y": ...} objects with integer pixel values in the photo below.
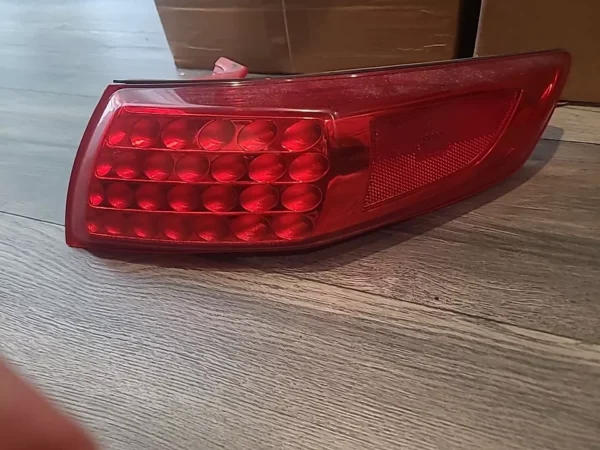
[{"x": 416, "y": 147}]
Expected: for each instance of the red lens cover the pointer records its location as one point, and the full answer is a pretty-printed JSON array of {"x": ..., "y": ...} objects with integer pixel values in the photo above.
[{"x": 267, "y": 164}]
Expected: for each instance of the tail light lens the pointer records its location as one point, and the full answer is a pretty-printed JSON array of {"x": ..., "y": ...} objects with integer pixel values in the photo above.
[{"x": 268, "y": 164}]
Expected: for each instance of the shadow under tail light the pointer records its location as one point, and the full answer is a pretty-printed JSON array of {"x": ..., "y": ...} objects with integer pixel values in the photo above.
[{"x": 296, "y": 162}]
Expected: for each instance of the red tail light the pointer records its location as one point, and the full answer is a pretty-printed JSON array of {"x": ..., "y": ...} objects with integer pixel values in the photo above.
[{"x": 268, "y": 164}]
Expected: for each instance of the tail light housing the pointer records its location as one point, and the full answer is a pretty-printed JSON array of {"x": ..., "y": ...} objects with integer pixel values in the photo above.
[{"x": 286, "y": 163}]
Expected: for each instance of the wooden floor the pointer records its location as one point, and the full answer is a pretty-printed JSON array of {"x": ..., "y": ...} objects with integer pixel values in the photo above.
[{"x": 475, "y": 327}]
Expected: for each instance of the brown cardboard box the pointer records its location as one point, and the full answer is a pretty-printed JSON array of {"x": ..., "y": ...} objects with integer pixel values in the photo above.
[
  {"x": 291, "y": 36},
  {"x": 510, "y": 26}
]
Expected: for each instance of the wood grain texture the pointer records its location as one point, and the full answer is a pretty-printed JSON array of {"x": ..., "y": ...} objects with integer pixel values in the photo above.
[
  {"x": 175, "y": 353},
  {"x": 576, "y": 124},
  {"x": 79, "y": 46}
]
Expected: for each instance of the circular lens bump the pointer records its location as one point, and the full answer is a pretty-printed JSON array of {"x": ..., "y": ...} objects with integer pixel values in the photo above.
[
  {"x": 158, "y": 166},
  {"x": 301, "y": 197},
  {"x": 301, "y": 135},
  {"x": 257, "y": 135},
  {"x": 94, "y": 225},
  {"x": 309, "y": 167},
  {"x": 266, "y": 168},
  {"x": 116, "y": 134},
  {"x": 216, "y": 134},
  {"x": 104, "y": 163},
  {"x": 115, "y": 224},
  {"x": 144, "y": 133},
  {"x": 292, "y": 226},
  {"x": 259, "y": 198},
  {"x": 143, "y": 225},
  {"x": 228, "y": 168},
  {"x": 176, "y": 228},
  {"x": 178, "y": 134},
  {"x": 183, "y": 198},
  {"x": 251, "y": 228},
  {"x": 119, "y": 195},
  {"x": 212, "y": 228},
  {"x": 150, "y": 197},
  {"x": 219, "y": 198},
  {"x": 127, "y": 165},
  {"x": 96, "y": 194},
  {"x": 192, "y": 168}
]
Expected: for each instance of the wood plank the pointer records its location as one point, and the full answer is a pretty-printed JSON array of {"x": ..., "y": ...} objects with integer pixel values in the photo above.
[
  {"x": 93, "y": 15},
  {"x": 85, "y": 46},
  {"x": 39, "y": 145},
  {"x": 80, "y": 74},
  {"x": 180, "y": 353},
  {"x": 575, "y": 123}
]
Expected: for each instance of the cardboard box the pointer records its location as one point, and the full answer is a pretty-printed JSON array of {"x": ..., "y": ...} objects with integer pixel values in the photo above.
[
  {"x": 510, "y": 26},
  {"x": 296, "y": 36}
]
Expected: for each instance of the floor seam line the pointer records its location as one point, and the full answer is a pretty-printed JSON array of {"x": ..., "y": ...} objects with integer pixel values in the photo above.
[
  {"x": 453, "y": 311},
  {"x": 21, "y": 216}
]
